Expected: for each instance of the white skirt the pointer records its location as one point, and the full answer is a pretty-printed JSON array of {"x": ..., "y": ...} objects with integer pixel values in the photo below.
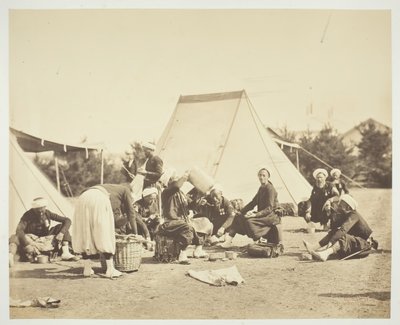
[{"x": 93, "y": 229}]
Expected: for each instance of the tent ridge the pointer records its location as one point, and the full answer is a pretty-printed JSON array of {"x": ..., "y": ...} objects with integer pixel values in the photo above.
[{"x": 210, "y": 97}]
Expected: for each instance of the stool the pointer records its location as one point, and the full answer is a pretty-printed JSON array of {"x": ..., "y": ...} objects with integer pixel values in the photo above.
[{"x": 167, "y": 249}]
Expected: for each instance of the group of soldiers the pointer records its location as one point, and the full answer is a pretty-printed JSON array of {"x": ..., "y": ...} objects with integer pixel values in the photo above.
[{"x": 194, "y": 218}]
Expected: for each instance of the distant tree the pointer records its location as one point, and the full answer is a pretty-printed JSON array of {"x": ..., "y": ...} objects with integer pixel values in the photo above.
[
  {"x": 80, "y": 172},
  {"x": 375, "y": 156},
  {"x": 328, "y": 147},
  {"x": 290, "y": 137}
]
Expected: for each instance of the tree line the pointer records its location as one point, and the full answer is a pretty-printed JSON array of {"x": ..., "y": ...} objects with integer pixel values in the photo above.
[{"x": 372, "y": 167}]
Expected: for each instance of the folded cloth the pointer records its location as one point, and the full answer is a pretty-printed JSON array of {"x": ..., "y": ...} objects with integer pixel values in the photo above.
[
  {"x": 44, "y": 302},
  {"x": 202, "y": 225},
  {"x": 219, "y": 277},
  {"x": 43, "y": 244}
]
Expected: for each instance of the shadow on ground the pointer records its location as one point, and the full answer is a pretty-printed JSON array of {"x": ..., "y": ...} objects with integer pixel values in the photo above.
[{"x": 383, "y": 296}]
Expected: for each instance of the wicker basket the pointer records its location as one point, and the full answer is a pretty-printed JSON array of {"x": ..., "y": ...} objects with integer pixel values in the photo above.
[{"x": 128, "y": 254}]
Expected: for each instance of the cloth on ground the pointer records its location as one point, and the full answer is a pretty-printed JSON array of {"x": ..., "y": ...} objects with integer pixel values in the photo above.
[
  {"x": 44, "y": 302},
  {"x": 219, "y": 277}
]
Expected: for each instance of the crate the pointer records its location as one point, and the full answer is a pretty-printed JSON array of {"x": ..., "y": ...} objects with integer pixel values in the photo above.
[
  {"x": 167, "y": 250},
  {"x": 128, "y": 254}
]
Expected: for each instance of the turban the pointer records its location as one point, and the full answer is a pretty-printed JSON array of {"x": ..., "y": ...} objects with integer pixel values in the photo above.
[
  {"x": 335, "y": 170},
  {"x": 39, "y": 202},
  {"x": 149, "y": 191},
  {"x": 349, "y": 200},
  {"x": 149, "y": 145},
  {"x": 319, "y": 171}
]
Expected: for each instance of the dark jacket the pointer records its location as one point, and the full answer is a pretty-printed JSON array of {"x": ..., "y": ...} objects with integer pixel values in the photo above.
[
  {"x": 341, "y": 187},
  {"x": 131, "y": 167},
  {"x": 318, "y": 198},
  {"x": 223, "y": 211},
  {"x": 121, "y": 201},
  {"x": 31, "y": 223},
  {"x": 154, "y": 169},
  {"x": 353, "y": 224},
  {"x": 266, "y": 201}
]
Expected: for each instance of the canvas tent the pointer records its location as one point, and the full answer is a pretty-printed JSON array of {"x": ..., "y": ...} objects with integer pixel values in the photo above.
[
  {"x": 222, "y": 134},
  {"x": 27, "y": 182}
]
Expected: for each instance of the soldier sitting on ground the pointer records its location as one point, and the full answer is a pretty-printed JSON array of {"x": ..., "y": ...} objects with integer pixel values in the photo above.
[
  {"x": 350, "y": 234},
  {"x": 34, "y": 234}
]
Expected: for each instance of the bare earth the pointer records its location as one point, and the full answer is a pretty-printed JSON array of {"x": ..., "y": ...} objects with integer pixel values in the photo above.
[{"x": 285, "y": 287}]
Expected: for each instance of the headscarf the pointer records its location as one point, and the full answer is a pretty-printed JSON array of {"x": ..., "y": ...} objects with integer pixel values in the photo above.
[
  {"x": 39, "y": 202},
  {"x": 319, "y": 171},
  {"x": 149, "y": 191},
  {"x": 149, "y": 145},
  {"x": 335, "y": 170},
  {"x": 349, "y": 200}
]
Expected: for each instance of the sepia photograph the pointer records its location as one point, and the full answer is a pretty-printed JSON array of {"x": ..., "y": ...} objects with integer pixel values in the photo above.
[{"x": 183, "y": 161}]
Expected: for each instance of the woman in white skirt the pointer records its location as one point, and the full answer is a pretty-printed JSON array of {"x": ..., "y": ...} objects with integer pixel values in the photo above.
[{"x": 93, "y": 230}]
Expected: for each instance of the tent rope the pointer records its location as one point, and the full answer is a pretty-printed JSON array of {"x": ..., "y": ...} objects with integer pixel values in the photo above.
[
  {"x": 16, "y": 191},
  {"x": 326, "y": 164},
  {"x": 251, "y": 109}
]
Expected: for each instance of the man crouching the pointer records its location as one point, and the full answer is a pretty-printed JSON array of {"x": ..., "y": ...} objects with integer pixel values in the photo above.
[
  {"x": 34, "y": 234},
  {"x": 349, "y": 235}
]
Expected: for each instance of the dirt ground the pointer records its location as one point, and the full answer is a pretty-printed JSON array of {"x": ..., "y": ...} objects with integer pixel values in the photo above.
[{"x": 282, "y": 288}]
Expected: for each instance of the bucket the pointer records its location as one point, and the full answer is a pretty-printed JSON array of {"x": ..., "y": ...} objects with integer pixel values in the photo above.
[
  {"x": 42, "y": 259},
  {"x": 200, "y": 180},
  {"x": 231, "y": 255}
]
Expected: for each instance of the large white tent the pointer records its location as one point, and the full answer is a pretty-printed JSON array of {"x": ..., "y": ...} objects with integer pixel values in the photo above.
[
  {"x": 222, "y": 134},
  {"x": 27, "y": 182}
]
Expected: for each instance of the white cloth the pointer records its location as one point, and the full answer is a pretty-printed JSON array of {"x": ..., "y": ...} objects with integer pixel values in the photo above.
[
  {"x": 202, "y": 225},
  {"x": 93, "y": 229},
  {"x": 39, "y": 202},
  {"x": 168, "y": 173},
  {"x": 335, "y": 171},
  {"x": 137, "y": 187},
  {"x": 219, "y": 277},
  {"x": 149, "y": 191},
  {"x": 349, "y": 200},
  {"x": 43, "y": 244},
  {"x": 149, "y": 145},
  {"x": 319, "y": 171}
]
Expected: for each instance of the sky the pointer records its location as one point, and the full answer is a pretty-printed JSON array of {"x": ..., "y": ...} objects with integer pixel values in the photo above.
[{"x": 115, "y": 76}]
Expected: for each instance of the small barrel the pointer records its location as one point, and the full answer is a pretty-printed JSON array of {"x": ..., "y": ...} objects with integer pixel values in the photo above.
[{"x": 200, "y": 180}]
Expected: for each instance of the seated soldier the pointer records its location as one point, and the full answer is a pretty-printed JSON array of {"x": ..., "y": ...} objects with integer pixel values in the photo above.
[
  {"x": 34, "y": 235},
  {"x": 350, "y": 234},
  {"x": 219, "y": 210},
  {"x": 176, "y": 215},
  {"x": 147, "y": 209},
  {"x": 321, "y": 192},
  {"x": 263, "y": 224}
]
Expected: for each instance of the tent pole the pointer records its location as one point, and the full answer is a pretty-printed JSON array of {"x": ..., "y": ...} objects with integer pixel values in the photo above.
[
  {"x": 297, "y": 159},
  {"x": 102, "y": 168},
  {"x": 57, "y": 174}
]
